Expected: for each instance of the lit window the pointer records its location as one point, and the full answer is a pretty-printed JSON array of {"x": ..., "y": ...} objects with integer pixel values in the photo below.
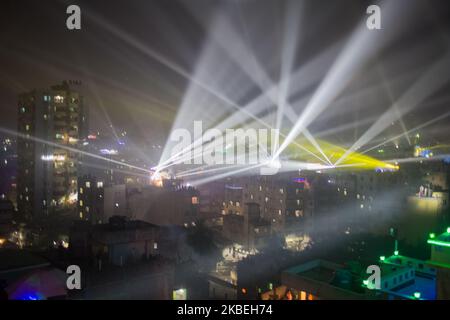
[
  {"x": 302, "y": 295},
  {"x": 59, "y": 99},
  {"x": 281, "y": 191},
  {"x": 81, "y": 215},
  {"x": 81, "y": 203},
  {"x": 194, "y": 200},
  {"x": 238, "y": 204},
  {"x": 88, "y": 184},
  {"x": 155, "y": 245},
  {"x": 81, "y": 190},
  {"x": 100, "y": 184},
  {"x": 117, "y": 204}
]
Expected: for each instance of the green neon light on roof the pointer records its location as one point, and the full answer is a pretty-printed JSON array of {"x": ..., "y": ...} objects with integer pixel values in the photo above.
[
  {"x": 396, "y": 252},
  {"x": 432, "y": 235},
  {"x": 417, "y": 295},
  {"x": 439, "y": 243},
  {"x": 382, "y": 258},
  {"x": 448, "y": 230}
]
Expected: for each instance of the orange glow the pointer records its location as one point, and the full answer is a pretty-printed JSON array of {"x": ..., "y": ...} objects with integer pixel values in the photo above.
[
  {"x": 289, "y": 295},
  {"x": 302, "y": 295}
]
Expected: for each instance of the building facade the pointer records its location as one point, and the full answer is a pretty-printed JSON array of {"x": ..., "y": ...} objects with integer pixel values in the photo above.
[{"x": 51, "y": 122}]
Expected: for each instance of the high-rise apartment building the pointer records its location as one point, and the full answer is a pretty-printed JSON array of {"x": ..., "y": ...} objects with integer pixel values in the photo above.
[{"x": 51, "y": 123}]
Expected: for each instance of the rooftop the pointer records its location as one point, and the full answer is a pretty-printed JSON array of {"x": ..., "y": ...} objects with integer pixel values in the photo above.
[
  {"x": 320, "y": 273},
  {"x": 124, "y": 226},
  {"x": 441, "y": 240},
  {"x": 425, "y": 286},
  {"x": 15, "y": 259},
  {"x": 330, "y": 273}
]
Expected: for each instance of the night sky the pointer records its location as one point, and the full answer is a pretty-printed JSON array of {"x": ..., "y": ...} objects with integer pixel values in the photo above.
[{"x": 125, "y": 87}]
